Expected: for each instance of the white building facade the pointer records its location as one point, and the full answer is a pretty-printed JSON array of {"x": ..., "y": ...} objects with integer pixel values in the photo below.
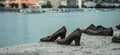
[
  {"x": 57, "y": 3},
  {"x": 80, "y": 3},
  {"x": 63, "y": 2}
]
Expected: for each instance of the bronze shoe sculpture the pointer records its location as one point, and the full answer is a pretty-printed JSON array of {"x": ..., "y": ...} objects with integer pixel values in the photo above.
[
  {"x": 92, "y": 26},
  {"x": 108, "y": 31},
  {"x": 116, "y": 39},
  {"x": 100, "y": 27},
  {"x": 118, "y": 26},
  {"x": 105, "y": 31},
  {"x": 101, "y": 31},
  {"x": 75, "y": 35},
  {"x": 60, "y": 33}
]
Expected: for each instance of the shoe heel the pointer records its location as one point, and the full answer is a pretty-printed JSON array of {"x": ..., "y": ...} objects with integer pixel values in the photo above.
[
  {"x": 63, "y": 35},
  {"x": 77, "y": 41}
]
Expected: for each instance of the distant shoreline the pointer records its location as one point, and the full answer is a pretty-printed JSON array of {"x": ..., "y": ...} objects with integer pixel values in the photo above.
[{"x": 48, "y": 9}]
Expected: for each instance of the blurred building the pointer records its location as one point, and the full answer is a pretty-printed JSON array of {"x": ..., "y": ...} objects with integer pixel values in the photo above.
[
  {"x": 2, "y": 1},
  {"x": 63, "y": 2},
  {"x": 41, "y": 2},
  {"x": 20, "y": 3},
  {"x": 55, "y": 3},
  {"x": 72, "y": 2},
  {"x": 80, "y": 3}
]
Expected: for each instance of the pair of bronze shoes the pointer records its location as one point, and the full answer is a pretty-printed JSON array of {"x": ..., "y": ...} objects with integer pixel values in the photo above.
[
  {"x": 98, "y": 30},
  {"x": 75, "y": 35}
]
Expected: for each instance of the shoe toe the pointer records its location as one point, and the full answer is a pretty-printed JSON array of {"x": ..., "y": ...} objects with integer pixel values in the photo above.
[
  {"x": 42, "y": 39},
  {"x": 60, "y": 41},
  {"x": 45, "y": 39}
]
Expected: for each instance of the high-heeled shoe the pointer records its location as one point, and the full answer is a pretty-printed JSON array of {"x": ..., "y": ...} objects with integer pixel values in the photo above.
[
  {"x": 75, "y": 35},
  {"x": 60, "y": 33}
]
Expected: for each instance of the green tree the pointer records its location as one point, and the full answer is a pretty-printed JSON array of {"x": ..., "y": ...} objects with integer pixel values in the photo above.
[
  {"x": 24, "y": 5},
  {"x": 14, "y": 5},
  {"x": 104, "y": 0},
  {"x": 48, "y": 5},
  {"x": 116, "y": 1},
  {"x": 91, "y": 0},
  {"x": 83, "y": 6},
  {"x": 62, "y": 6},
  {"x": 44, "y": 6},
  {"x": 2, "y": 5},
  {"x": 98, "y": 6},
  {"x": 75, "y": 6}
]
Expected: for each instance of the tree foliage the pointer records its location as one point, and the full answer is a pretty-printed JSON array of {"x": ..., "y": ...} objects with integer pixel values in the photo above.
[
  {"x": 24, "y": 5},
  {"x": 63, "y": 6},
  {"x": 100, "y": 6},
  {"x": 2, "y": 5},
  {"x": 48, "y": 5},
  {"x": 14, "y": 5}
]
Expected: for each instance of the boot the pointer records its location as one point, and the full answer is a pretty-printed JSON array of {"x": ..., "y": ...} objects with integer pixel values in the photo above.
[
  {"x": 75, "y": 35},
  {"x": 60, "y": 33}
]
